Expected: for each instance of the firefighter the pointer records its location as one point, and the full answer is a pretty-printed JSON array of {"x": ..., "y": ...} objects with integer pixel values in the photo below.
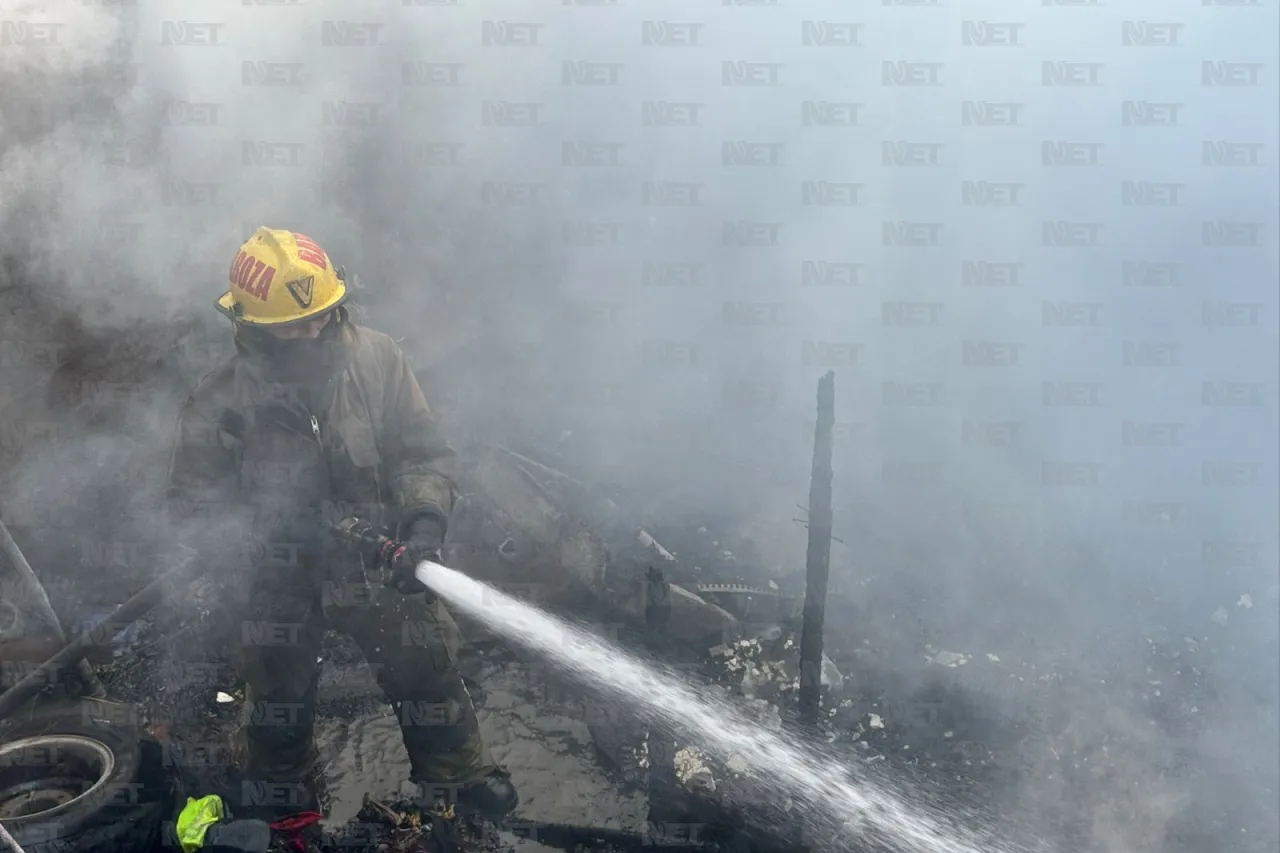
[{"x": 315, "y": 417}]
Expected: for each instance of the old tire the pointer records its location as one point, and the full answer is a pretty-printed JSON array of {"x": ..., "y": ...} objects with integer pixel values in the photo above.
[{"x": 68, "y": 784}]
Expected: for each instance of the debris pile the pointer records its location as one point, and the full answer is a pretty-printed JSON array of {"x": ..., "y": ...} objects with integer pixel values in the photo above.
[
  {"x": 1010, "y": 726},
  {"x": 405, "y": 827}
]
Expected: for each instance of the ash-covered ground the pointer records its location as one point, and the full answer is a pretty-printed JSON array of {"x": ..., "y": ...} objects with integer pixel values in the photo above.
[{"x": 1009, "y": 729}]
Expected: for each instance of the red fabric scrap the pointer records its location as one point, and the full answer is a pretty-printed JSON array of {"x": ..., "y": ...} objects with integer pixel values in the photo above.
[{"x": 291, "y": 828}]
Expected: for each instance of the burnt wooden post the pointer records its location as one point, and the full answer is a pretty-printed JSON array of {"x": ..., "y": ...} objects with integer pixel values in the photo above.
[
  {"x": 663, "y": 785},
  {"x": 38, "y": 600},
  {"x": 818, "y": 557}
]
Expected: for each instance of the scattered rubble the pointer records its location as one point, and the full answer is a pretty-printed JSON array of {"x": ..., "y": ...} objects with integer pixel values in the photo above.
[
  {"x": 945, "y": 658},
  {"x": 985, "y": 724},
  {"x": 692, "y": 771}
]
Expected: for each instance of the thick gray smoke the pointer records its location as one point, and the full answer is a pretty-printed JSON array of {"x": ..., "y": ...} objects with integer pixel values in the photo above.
[{"x": 1036, "y": 241}]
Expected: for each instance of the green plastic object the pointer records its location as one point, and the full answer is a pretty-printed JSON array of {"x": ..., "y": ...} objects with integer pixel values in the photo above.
[{"x": 196, "y": 818}]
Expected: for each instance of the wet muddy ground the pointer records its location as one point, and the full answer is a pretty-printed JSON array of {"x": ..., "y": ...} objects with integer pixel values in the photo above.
[
  {"x": 992, "y": 730},
  {"x": 1170, "y": 755},
  {"x": 548, "y": 750},
  {"x": 1155, "y": 744},
  {"x": 549, "y": 753}
]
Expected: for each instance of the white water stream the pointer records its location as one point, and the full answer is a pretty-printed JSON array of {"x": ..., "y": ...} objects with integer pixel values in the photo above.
[{"x": 719, "y": 726}]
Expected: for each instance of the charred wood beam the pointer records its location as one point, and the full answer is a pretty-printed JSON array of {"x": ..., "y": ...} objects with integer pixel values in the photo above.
[
  {"x": 125, "y": 615},
  {"x": 36, "y": 597},
  {"x": 29, "y": 584},
  {"x": 667, "y": 837},
  {"x": 662, "y": 782},
  {"x": 818, "y": 557}
]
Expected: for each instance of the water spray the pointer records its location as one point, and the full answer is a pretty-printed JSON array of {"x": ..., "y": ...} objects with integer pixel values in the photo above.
[{"x": 825, "y": 787}]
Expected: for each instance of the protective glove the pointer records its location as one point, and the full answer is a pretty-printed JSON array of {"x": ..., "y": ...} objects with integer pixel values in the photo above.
[{"x": 426, "y": 537}]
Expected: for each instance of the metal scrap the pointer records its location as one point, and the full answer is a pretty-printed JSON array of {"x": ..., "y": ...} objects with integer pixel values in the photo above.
[
  {"x": 735, "y": 589},
  {"x": 647, "y": 540},
  {"x": 407, "y": 828}
]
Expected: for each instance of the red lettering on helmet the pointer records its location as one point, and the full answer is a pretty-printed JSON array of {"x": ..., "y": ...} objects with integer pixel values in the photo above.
[
  {"x": 263, "y": 287},
  {"x": 237, "y": 269},
  {"x": 238, "y": 276},
  {"x": 310, "y": 252},
  {"x": 252, "y": 276}
]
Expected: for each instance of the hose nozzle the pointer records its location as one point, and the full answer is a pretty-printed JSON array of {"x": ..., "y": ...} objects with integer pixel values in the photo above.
[{"x": 379, "y": 551}]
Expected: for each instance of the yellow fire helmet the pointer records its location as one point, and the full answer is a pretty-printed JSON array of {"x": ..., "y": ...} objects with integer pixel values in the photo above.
[{"x": 281, "y": 277}]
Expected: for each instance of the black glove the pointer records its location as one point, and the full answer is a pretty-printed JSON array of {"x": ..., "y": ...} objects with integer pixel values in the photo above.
[{"x": 426, "y": 537}]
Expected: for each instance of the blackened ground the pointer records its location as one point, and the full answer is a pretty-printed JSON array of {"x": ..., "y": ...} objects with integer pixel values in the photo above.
[
  {"x": 1174, "y": 754},
  {"x": 549, "y": 753},
  {"x": 1168, "y": 749},
  {"x": 1095, "y": 760}
]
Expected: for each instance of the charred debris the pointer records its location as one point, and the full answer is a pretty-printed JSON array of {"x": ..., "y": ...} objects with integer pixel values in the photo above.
[
  {"x": 680, "y": 591},
  {"x": 767, "y": 656},
  {"x": 768, "y": 651},
  {"x": 975, "y": 725}
]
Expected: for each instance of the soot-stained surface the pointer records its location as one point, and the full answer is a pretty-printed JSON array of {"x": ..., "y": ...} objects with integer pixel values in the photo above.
[
  {"x": 547, "y": 749},
  {"x": 1098, "y": 748},
  {"x": 550, "y": 755},
  {"x": 1108, "y": 759},
  {"x": 990, "y": 729}
]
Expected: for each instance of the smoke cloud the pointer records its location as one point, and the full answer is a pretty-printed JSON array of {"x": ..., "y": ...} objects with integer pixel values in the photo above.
[{"x": 1036, "y": 242}]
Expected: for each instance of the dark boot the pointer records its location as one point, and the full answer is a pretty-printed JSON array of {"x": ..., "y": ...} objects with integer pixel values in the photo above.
[
  {"x": 490, "y": 795},
  {"x": 412, "y": 644},
  {"x": 452, "y": 766}
]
